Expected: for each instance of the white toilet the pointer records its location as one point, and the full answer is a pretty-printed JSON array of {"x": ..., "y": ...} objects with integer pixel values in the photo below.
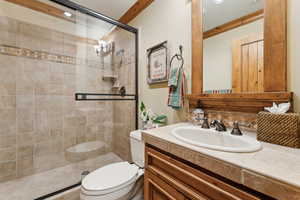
[{"x": 118, "y": 181}]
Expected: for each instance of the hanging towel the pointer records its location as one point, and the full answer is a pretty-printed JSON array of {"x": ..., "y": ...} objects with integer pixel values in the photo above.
[
  {"x": 173, "y": 76},
  {"x": 177, "y": 89}
]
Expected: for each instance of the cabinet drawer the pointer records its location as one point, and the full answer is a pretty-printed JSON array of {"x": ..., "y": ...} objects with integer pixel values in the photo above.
[
  {"x": 157, "y": 189},
  {"x": 176, "y": 189},
  {"x": 192, "y": 182}
]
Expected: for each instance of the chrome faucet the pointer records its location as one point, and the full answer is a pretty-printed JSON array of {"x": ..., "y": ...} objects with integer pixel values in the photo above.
[{"x": 219, "y": 125}]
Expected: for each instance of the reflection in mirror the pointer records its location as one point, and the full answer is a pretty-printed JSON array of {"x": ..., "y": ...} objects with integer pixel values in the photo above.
[{"x": 233, "y": 46}]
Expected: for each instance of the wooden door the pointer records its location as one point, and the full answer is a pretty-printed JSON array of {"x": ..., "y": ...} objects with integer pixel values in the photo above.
[{"x": 248, "y": 64}]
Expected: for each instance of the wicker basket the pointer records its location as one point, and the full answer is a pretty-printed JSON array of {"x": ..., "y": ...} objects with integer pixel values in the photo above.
[{"x": 281, "y": 129}]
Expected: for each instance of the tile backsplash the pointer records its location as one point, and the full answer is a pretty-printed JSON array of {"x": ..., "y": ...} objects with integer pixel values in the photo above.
[{"x": 247, "y": 121}]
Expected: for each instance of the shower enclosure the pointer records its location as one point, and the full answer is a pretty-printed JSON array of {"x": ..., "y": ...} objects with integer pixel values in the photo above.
[{"x": 68, "y": 95}]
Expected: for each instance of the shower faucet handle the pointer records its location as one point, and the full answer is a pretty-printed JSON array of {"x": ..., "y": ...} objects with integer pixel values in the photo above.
[{"x": 122, "y": 91}]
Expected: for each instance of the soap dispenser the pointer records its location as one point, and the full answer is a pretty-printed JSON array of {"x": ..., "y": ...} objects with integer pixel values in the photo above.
[{"x": 198, "y": 116}]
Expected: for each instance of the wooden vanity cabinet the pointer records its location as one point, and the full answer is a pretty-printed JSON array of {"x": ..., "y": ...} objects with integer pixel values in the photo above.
[{"x": 167, "y": 178}]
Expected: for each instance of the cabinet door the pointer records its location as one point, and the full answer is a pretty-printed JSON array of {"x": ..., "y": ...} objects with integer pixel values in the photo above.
[
  {"x": 157, "y": 189},
  {"x": 190, "y": 182}
]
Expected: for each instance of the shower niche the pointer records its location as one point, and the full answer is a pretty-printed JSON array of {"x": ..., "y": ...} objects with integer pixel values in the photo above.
[{"x": 111, "y": 61}]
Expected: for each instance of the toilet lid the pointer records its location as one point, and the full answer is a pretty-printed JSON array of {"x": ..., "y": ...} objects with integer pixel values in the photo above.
[{"x": 110, "y": 177}]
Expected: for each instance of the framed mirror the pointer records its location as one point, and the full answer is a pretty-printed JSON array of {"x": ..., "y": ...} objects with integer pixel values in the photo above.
[
  {"x": 233, "y": 46},
  {"x": 239, "y": 53}
]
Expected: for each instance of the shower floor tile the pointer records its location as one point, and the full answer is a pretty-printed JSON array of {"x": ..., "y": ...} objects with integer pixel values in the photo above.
[{"x": 34, "y": 186}]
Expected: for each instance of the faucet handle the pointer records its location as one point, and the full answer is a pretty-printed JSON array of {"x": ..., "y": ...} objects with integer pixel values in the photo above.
[
  {"x": 236, "y": 129},
  {"x": 205, "y": 123}
]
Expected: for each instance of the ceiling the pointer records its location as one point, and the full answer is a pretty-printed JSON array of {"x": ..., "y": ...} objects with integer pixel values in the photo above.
[
  {"x": 94, "y": 28},
  {"x": 111, "y": 8},
  {"x": 218, "y": 14}
]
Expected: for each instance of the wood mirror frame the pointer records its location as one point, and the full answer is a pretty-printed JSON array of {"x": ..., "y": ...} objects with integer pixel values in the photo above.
[{"x": 275, "y": 64}]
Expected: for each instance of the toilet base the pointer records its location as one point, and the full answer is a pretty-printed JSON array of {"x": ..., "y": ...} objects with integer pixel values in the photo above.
[
  {"x": 139, "y": 195},
  {"x": 135, "y": 189}
]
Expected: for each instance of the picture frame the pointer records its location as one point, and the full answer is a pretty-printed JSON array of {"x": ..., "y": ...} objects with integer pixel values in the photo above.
[{"x": 158, "y": 67}]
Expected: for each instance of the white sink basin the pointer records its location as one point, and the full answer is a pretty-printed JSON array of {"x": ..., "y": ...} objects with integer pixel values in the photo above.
[{"x": 220, "y": 141}]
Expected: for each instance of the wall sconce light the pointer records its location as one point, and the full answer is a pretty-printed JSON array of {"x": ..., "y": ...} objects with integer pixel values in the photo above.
[{"x": 103, "y": 47}]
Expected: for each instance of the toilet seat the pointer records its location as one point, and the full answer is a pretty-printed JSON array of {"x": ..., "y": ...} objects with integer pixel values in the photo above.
[{"x": 109, "y": 179}]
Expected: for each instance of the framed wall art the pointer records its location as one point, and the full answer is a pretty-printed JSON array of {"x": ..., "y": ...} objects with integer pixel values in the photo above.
[{"x": 158, "y": 63}]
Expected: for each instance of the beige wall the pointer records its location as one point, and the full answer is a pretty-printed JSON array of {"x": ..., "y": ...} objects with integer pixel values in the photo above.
[
  {"x": 217, "y": 55},
  {"x": 294, "y": 50},
  {"x": 171, "y": 20},
  {"x": 163, "y": 20}
]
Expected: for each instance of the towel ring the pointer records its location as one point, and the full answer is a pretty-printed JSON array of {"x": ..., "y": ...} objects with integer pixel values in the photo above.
[{"x": 178, "y": 57}]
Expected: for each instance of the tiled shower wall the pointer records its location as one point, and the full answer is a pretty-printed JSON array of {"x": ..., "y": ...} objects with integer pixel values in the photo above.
[
  {"x": 40, "y": 70},
  {"x": 124, "y": 112}
]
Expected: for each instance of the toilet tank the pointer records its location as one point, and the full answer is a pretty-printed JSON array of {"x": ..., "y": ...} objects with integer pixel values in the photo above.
[{"x": 137, "y": 148}]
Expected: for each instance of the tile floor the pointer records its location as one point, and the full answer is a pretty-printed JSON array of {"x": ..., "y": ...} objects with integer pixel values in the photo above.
[{"x": 31, "y": 187}]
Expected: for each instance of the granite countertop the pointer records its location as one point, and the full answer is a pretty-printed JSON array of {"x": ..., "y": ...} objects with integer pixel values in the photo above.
[{"x": 273, "y": 161}]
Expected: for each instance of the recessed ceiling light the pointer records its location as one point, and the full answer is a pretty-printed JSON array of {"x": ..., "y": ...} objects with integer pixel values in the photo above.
[
  {"x": 218, "y": 1},
  {"x": 67, "y": 14}
]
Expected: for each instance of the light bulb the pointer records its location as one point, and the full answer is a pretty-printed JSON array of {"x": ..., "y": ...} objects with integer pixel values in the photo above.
[
  {"x": 68, "y": 14},
  {"x": 218, "y": 1}
]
